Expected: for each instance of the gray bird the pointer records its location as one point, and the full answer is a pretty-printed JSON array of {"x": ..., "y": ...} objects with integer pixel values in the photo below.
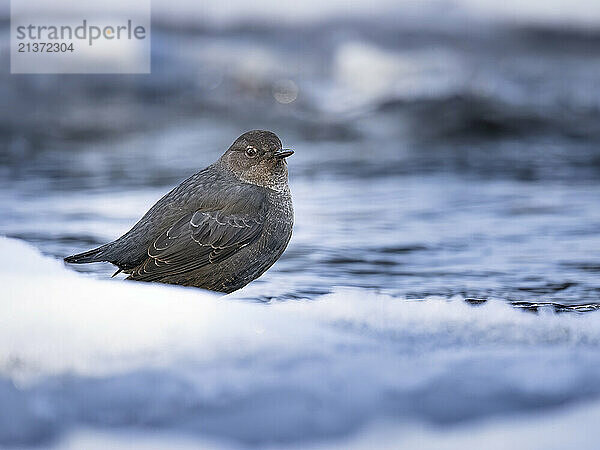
[{"x": 220, "y": 229}]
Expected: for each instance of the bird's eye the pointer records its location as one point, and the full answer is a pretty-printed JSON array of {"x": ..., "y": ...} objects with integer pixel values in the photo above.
[{"x": 251, "y": 152}]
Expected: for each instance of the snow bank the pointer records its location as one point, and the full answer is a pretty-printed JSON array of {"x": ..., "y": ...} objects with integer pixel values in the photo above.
[{"x": 80, "y": 357}]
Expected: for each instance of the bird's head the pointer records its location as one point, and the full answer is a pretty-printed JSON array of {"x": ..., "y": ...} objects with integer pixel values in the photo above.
[{"x": 257, "y": 157}]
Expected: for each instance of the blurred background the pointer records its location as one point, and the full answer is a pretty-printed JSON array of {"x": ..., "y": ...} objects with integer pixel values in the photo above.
[{"x": 443, "y": 148}]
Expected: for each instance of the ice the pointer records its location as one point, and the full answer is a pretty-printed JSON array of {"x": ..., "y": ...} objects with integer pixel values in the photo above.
[{"x": 85, "y": 362}]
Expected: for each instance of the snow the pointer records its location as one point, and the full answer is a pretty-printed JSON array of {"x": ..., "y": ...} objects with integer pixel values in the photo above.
[{"x": 89, "y": 363}]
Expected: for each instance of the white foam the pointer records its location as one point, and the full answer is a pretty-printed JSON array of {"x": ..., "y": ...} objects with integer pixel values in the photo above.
[{"x": 365, "y": 75}]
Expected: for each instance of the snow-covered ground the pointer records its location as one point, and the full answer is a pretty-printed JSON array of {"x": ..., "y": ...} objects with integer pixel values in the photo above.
[{"x": 87, "y": 363}]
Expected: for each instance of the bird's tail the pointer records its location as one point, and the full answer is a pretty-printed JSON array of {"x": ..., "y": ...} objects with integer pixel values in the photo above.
[{"x": 95, "y": 255}]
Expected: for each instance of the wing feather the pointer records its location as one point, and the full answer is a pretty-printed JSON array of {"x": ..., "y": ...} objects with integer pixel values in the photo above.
[{"x": 197, "y": 240}]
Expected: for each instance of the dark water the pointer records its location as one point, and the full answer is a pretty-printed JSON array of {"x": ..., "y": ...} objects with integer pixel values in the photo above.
[{"x": 430, "y": 159}]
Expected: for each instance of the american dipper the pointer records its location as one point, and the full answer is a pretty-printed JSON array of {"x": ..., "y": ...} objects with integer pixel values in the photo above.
[{"x": 220, "y": 229}]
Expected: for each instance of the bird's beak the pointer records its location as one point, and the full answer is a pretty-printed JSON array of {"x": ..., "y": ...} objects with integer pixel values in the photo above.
[{"x": 283, "y": 153}]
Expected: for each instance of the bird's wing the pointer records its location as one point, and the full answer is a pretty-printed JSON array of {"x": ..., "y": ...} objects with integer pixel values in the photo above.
[
  {"x": 210, "y": 190},
  {"x": 197, "y": 240}
]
